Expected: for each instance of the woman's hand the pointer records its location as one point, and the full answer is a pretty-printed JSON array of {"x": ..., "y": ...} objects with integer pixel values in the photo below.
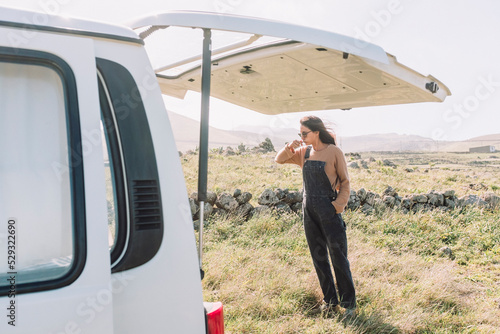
[
  {"x": 334, "y": 206},
  {"x": 295, "y": 144}
]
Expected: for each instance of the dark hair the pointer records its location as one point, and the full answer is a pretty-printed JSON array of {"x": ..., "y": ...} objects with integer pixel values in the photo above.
[{"x": 316, "y": 124}]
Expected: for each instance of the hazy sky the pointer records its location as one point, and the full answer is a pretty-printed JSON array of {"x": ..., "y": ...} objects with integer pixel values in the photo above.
[{"x": 456, "y": 41}]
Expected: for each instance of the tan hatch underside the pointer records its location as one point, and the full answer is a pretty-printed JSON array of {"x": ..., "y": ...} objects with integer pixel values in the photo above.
[{"x": 291, "y": 77}]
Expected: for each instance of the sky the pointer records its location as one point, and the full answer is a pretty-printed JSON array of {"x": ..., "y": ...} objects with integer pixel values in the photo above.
[{"x": 455, "y": 41}]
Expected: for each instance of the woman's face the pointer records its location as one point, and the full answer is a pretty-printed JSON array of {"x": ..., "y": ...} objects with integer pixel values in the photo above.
[{"x": 307, "y": 135}]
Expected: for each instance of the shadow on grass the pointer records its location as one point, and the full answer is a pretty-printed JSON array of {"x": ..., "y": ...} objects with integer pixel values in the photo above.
[
  {"x": 369, "y": 323},
  {"x": 363, "y": 323}
]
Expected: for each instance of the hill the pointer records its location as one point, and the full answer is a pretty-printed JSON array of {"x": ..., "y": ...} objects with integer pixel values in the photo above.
[
  {"x": 186, "y": 134},
  {"x": 463, "y": 146}
]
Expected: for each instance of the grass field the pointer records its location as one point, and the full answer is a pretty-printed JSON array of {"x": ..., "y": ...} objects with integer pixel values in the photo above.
[{"x": 262, "y": 271}]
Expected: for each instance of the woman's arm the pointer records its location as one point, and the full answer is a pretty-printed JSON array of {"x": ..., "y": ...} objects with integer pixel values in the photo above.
[
  {"x": 289, "y": 155},
  {"x": 343, "y": 183}
]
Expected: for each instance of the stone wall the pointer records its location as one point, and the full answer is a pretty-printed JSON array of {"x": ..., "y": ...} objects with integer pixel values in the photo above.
[{"x": 285, "y": 200}]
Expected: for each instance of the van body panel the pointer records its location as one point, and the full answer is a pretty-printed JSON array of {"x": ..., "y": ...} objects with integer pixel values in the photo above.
[
  {"x": 31, "y": 22},
  {"x": 172, "y": 276},
  {"x": 86, "y": 303}
]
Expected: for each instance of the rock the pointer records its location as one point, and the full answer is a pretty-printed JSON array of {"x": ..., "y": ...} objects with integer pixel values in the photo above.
[
  {"x": 478, "y": 186},
  {"x": 196, "y": 225},
  {"x": 471, "y": 200},
  {"x": 293, "y": 197},
  {"x": 409, "y": 170},
  {"x": 219, "y": 211},
  {"x": 261, "y": 209},
  {"x": 211, "y": 197},
  {"x": 449, "y": 203},
  {"x": 492, "y": 199},
  {"x": 378, "y": 204},
  {"x": 296, "y": 207},
  {"x": 389, "y": 201},
  {"x": 353, "y": 164},
  {"x": 388, "y": 163},
  {"x": 406, "y": 203},
  {"x": 244, "y": 210},
  {"x": 361, "y": 195},
  {"x": 426, "y": 207},
  {"x": 283, "y": 207},
  {"x": 354, "y": 203},
  {"x": 419, "y": 198},
  {"x": 207, "y": 209},
  {"x": 440, "y": 198},
  {"x": 227, "y": 202},
  {"x": 194, "y": 207},
  {"x": 389, "y": 191},
  {"x": 446, "y": 251},
  {"x": 244, "y": 197},
  {"x": 280, "y": 193},
  {"x": 268, "y": 197},
  {"x": 449, "y": 193},
  {"x": 371, "y": 159},
  {"x": 354, "y": 155},
  {"x": 435, "y": 199},
  {"x": 417, "y": 207},
  {"x": 370, "y": 197},
  {"x": 237, "y": 192},
  {"x": 367, "y": 209},
  {"x": 195, "y": 197}
]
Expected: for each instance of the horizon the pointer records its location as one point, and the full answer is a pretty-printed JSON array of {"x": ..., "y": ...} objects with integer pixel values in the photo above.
[
  {"x": 247, "y": 128},
  {"x": 186, "y": 134}
]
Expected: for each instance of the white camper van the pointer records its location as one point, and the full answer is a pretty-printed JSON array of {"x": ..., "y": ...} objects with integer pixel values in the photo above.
[{"x": 96, "y": 234}]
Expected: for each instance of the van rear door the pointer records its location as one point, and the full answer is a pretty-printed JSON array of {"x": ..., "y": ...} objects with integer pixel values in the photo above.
[
  {"x": 307, "y": 69},
  {"x": 53, "y": 275}
]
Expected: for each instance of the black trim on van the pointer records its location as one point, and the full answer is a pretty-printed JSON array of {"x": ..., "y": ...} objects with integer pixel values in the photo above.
[
  {"x": 145, "y": 223},
  {"x": 31, "y": 57},
  {"x": 27, "y": 26}
]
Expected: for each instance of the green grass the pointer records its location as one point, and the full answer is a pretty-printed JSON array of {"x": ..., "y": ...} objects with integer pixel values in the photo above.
[{"x": 262, "y": 272}]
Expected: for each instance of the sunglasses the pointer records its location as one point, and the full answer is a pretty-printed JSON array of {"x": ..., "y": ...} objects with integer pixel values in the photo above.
[{"x": 303, "y": 134}]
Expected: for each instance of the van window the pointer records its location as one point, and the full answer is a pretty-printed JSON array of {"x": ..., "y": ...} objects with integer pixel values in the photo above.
[
  {"x": 111, "y": 196},
  {"x": 40, "y": 171}
]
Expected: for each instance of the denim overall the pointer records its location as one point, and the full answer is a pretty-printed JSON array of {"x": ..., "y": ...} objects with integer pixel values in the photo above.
[{"x": 325, "y": 232}]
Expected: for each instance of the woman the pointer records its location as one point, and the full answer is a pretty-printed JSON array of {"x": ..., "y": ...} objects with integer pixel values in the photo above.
[{"x": 326, "y": 193}]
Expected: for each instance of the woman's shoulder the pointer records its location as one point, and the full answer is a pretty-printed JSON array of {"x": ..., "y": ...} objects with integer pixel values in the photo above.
[{"x": 335, "y": 149}]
